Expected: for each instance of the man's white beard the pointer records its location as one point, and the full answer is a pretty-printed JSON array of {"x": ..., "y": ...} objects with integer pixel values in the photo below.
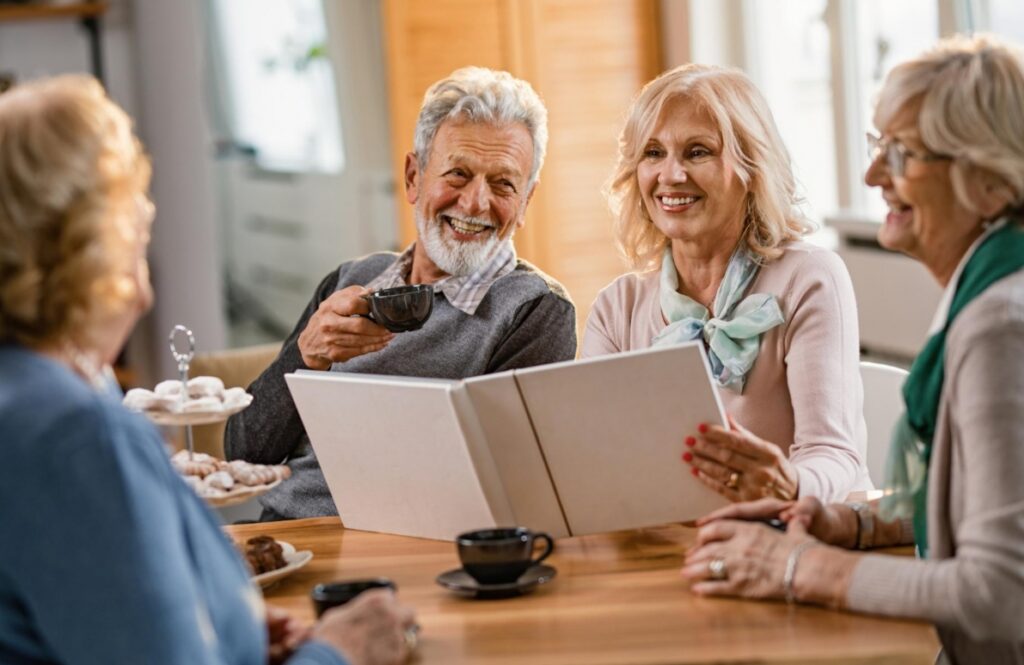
[{"x": 456, "y": 257}]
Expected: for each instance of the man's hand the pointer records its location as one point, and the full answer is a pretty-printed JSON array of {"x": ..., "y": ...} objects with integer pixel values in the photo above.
[
  {"x": 337, "y": 332},
  {"x": 370, "y": 630}
]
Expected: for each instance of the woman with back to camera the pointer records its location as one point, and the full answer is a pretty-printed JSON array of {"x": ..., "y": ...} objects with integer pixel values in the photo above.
[
  {"x": 950, "y": 164},
  {"x": 706, "y": 213},
  {"x": 106, "y": 556}
]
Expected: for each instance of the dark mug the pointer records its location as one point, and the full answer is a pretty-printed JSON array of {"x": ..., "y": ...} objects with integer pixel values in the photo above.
[
  {"x": 402, "y": 308},
  {"x": 326, "y": 596},
  {"x": 500, "y": 556}
]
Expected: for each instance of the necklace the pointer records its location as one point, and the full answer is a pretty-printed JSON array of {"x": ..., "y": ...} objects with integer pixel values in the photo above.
[{"x": 97, "y": 375}]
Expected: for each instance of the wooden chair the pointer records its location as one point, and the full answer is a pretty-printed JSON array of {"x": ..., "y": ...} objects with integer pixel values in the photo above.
[{"x": 235, "y": 367}]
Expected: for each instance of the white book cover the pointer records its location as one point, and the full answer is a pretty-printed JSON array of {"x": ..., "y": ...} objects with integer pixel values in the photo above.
[{"x": 570, "y": 448}]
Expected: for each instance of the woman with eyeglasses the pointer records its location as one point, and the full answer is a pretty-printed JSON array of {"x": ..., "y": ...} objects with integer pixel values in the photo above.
[
  {"x": 707, "y": 215},
  {"x": 950, "y": 164}
]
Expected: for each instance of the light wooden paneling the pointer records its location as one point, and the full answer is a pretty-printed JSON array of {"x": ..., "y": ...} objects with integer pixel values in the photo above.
[
  {"x": 586, "y": 58},
  {"x": 592, "y": 57},
  {"x": 426, "y": 41}
]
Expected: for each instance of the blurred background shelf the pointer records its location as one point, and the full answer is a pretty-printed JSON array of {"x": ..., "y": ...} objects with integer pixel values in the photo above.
[
  {"x": 35, "y": 11},
  {"x": 88, "y": 13}
]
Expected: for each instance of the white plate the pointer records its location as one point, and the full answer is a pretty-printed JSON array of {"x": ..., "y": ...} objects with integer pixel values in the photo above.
[
  {"x": 295, "y": 561},
  {"x": 193, "y": 417},
  {"x": 239, "y": 494}
]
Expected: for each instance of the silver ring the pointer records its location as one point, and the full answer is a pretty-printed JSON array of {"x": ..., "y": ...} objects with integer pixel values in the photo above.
[
  {"x": 717, "y": 569},
  {"x": 734, "y": 480},
  {"x": 412, "y": 637}
]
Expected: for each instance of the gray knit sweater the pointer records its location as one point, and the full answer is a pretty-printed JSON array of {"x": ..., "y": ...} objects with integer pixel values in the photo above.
[
  {"x": 525, "y": 319},
  {"x": 972, "y": 585}
]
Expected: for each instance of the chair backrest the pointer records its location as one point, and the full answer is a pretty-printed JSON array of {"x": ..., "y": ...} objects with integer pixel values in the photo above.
[
  {"x": 883, "y": 405},
  {"x": 236, "y": 367}
]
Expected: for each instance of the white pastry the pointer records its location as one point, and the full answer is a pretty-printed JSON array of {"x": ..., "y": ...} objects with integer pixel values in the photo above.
[
  {"x": 169, "y": 388},
  {"x": 202, "y": 404},
  {"x": 236, "y": 397},
  {"x": 140, "y": 399},
  {"x": 205, "y": 386},
  {"x": 182, "y": 456},
  {"x": 220, "y": 480},
  {"x": 201, "y": 465},
  {"x": 251, "y": 474}
]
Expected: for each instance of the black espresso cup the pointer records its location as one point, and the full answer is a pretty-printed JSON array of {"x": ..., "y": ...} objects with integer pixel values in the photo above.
[
  {"x": 500, "y": 556},
  {"x": 326, "y": 596},
  {"x": 402, "y": 308}
]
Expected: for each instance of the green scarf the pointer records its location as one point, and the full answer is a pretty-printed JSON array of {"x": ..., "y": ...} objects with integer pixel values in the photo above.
[{"x": 998, "y": 255}]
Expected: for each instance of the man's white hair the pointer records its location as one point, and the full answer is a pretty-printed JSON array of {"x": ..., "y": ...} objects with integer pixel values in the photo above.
[{"x": 483, "y": 95}]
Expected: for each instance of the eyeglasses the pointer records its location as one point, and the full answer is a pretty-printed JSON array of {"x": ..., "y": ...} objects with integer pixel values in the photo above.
[{"x": 897, "y": 154}]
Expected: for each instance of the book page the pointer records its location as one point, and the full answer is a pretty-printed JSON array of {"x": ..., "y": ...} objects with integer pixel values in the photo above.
[
  {"x": 517, "y": 457},
  {"x": 393, "y": 452},
  {"x": 612, "y": 429}
]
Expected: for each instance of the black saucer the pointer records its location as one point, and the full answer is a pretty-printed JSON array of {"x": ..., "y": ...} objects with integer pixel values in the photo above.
[{"x": 459, "y": 581}]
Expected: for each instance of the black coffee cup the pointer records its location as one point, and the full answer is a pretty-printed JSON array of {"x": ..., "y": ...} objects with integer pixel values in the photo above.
[
  {"x": 326, "y": 596},
  {"x": 402, "y": 308},
  {"x": 500, "y": 556}
]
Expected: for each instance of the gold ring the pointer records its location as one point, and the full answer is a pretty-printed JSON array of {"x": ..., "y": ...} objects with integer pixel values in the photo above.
[
  {"x": 734, "y": 480},
  {"x": 717, "y": 569}
]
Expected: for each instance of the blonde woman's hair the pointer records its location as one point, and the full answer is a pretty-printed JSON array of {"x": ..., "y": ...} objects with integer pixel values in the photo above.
[
  {"x": 751, "y": 145},
  {"x": 71, "y": 173},
  {"x": 971, "y": 91}
]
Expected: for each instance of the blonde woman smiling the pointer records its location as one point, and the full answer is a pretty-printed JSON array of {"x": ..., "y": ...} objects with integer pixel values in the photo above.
[{"x": 705, "y": 203}]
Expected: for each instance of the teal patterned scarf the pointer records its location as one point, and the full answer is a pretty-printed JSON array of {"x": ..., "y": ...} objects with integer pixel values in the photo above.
[
  {"x": 733, "y": 336},
  {"x": 998, "y": 255}
]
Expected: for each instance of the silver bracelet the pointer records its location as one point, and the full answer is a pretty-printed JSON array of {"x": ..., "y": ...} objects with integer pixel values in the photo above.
[
  {"x": 790, "y": 574},
  {"x": 865, "y": 525}
]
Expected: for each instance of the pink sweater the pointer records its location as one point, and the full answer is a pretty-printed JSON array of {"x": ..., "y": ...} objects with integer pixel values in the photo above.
[{"x": 804, "y": 392}]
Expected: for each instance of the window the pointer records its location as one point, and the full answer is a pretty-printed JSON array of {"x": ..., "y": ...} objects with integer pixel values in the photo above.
[
  {"x": 788, "y": 51},
  {"x": 820, "y": 64},
  {"x": 886, "y": 33},
  {"x": 1003, "y": 17},
  {"x": 278, "y": 92}
]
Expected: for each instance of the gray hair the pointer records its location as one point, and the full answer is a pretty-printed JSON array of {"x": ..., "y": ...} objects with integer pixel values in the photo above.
[
  {"x": 971, "y": 91},
  {"x": 482, "y": 95}
]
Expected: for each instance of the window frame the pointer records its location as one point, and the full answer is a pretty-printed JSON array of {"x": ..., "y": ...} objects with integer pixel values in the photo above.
[{"x": 721, "y": 31}]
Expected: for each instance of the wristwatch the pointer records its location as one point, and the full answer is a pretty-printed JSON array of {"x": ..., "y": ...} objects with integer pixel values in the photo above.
[{"x": 865, "y": 525}]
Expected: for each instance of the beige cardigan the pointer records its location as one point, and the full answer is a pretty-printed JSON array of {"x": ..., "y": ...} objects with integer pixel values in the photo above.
[
  {"x": 804, "y": 392},
  {"x": 972, "y": 586}
]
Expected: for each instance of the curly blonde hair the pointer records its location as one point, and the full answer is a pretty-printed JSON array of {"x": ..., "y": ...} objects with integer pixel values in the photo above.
[
  {"x": 71, "y": 172},
  {"x": 752, "y": 146}
]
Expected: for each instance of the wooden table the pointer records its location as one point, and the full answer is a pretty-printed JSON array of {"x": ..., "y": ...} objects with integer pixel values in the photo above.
[{"x": 617, "y": 598}]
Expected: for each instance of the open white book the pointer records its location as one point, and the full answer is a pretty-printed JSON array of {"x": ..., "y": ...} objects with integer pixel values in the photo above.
[{"x": 569, "y": 448}]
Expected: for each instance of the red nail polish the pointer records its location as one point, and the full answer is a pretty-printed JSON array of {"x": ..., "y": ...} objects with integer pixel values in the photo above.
[
  {"x": 690, "y": 441},
  {"x": 702, "y": 428},
  {"x": 687, "y": 456},
  {"x": 694, "y": 471}
]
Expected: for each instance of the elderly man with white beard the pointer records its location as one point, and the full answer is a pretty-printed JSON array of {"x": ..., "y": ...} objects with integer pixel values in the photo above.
[{"x": 478, "y": 149}]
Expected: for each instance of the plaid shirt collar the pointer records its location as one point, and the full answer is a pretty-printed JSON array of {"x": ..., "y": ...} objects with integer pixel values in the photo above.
[{"x": 465, "y": 292}]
